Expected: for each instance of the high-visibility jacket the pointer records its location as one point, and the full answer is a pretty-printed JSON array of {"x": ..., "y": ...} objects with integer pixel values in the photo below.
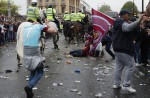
[
  {"x": 73, "y": 16},
  {"x": 32, "y": 13},
  {"x": 49, "y": 13},
  {"x": 66, "y": 17},
  {"x": 79, "y": 16}
]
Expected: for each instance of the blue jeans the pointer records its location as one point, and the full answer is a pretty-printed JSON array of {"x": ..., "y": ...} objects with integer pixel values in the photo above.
[
  {"x": 76, "y": 53},
  {"x": 35, "y": 76}
]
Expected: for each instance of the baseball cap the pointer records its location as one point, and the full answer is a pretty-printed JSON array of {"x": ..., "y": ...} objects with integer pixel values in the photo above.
[{"x": 122, "y": 12}]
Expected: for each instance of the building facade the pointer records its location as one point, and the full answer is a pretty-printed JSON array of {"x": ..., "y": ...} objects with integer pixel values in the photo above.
[
  {"x": 85, "y": 7},
  {"x": 60, "y": 5}
]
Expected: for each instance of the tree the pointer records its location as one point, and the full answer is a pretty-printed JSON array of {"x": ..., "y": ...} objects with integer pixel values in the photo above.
[
  {"x": 130, "y": 6},
  {"x": 4, "y": 8},
  {"x": 104, "y": 8}
]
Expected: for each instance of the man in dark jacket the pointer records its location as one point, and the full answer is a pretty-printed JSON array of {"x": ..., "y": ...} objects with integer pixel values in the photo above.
[{"x": 124, "y": 50}]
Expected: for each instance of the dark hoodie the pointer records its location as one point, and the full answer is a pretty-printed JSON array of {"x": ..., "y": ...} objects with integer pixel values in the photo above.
[{"x": 122, "y": 36}]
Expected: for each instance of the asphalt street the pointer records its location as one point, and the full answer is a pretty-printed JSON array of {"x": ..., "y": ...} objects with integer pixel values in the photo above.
[{"x": 68, "y": 77}]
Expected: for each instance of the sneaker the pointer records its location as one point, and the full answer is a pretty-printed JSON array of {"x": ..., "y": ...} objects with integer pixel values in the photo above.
[
  {"x": 130, "y": 89},
  {"x": 28, "y": 92},
  {"x": 116, "y": 86}
]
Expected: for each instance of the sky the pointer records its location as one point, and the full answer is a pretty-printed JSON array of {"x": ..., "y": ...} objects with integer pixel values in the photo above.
[{"x": 115, "y": 5}]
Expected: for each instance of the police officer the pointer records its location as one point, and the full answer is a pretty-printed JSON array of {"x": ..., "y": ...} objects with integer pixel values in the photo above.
[
  {"x": 66, "y": 23},
  {"x": 73, "y": 16},
  {"x": 51, "y": 15},
  {"x": 33, "y": 11},
  {"x": 79, "y": 16}
]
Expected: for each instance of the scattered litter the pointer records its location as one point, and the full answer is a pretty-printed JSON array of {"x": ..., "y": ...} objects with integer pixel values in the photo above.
[
  {"x": 68, "y": 62},
  {"x": 27, "y": 79},
  {"x": 34, "y": 88},
  {"x": 58, "y": 62},
  {"x": 4, "y": 77},
  {"x": 86, "y": 67},
  {"x": 95, "y": 68},
  {"x": 98, "y": 79},
  {"x": 77, "y": 81},
  {"x": 79, "y": 61},
  {"x": 58, "y": 84},
  {"x": 59, "y": 59},
  {"x": 79, "y": 93},
  {"x": 85, "y": 64},
  {"x": 46, "y": 76},
  {"x": 69, "y": 56},
  {"x": 142, "y": 74},
  {"x": 45, "y": 69},
  {"x": 8, "y": 71},
  {"x": 142, "y": 84},
  {"x": 98, "y": 95},
  {"x": 74, "y": 90},
  {"x": 77, "y": 70}
]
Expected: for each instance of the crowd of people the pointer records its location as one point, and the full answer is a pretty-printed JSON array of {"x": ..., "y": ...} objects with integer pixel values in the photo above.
[
  {"x": 130, "y": 39},
  {"x": 8, "y": 30}
]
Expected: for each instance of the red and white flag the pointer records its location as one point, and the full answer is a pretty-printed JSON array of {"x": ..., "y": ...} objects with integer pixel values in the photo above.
[{"x": 101, "y": 22}]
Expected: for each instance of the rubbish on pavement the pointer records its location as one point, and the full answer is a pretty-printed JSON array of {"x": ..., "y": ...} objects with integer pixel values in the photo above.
[
  {"x": 68, "y": 56},
  {"x": 77, "y": 81},
  {"x": 59, "y": 59},
  {"x": 77, "y": 70},
  {"x": 34, "y": 88},
  {"x": 68, "y": 62},
  {"x": 4, "y": 77},
  {"x": 74, "y": 90},
  {"x": 8, "y": 71},
  {"x": 98, "y": 95},
  {"x": 58, "y": 84},
  {"x": 79, "y": 93}
]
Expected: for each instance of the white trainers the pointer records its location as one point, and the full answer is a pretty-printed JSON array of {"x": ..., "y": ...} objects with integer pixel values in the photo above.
[
  {"x": 116, "y": 86},
  {"x": 130, "y": 89}
]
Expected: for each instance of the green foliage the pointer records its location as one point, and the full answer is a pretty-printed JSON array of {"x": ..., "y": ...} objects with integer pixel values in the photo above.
[
  {"x": 129, "y": 6},
  {"x": 104, "y": 8},
  {"x": 4, "y": 8}
]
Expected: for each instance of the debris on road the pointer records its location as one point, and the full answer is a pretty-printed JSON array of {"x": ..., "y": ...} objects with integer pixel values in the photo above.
[
  {"x": 74, "y": 90},
  {"x": 98, "y": 95},
  {"x": 58, "y": 84},
  {"x": 68, "y": 62},
  {"x": 77, "y": 71},
  {"x": 8, "y": 71}
]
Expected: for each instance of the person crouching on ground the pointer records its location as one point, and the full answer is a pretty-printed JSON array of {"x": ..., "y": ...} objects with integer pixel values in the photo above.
[{"x": 32, "y": 58}]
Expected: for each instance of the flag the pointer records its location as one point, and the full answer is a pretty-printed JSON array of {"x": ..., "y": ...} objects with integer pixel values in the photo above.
[{"x": 101, "y": 22}]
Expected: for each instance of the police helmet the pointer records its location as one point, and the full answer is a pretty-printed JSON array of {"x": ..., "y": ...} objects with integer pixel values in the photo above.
[
  {"x": 50, "y": 6},
  {"x": 80, "y": 11}
]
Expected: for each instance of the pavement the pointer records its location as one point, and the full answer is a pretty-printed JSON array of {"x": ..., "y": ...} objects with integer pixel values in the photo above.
[{"x": 68, "y": 77}]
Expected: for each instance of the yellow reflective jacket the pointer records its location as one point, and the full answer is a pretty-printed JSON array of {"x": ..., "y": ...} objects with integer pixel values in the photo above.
[
  {"x": 79, "y": 16},
  {"x": 32, "y": 13},
  {"x": 50, "y": 13},
  {"x": 66, "y": 17},
  {"x": 73, "y": 17}
]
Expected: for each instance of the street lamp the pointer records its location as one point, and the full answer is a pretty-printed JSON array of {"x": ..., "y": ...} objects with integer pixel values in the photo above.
[
  {"x": 142, "y": 6},
  {"x": 9, "y": 9},
  {"x": 133, "y": 7}
]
